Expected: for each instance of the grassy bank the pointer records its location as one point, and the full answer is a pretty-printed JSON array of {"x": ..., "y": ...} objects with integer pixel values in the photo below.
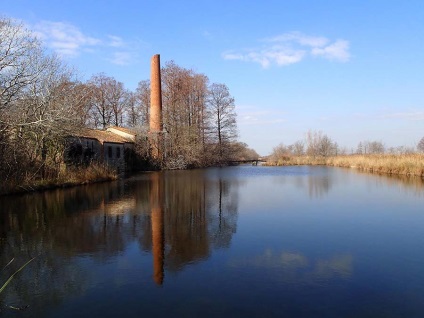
[
  {"x": 408, "y": 164},
  {"x": 66, "y": 178}
]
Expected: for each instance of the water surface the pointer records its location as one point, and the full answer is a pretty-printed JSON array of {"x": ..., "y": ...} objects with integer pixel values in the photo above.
[{"x": 237, "y": 242}]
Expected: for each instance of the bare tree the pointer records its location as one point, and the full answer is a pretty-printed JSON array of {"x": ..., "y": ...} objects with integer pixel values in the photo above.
[
  {"x": 118, "y": 98},
  {"x": 370, "y": 147},
  {"x": 222, "y": 116},
  {"x": 109, "y": 98},
  {"x": 360, "y": 148},
  {"x": 138, "y": 110},
  {"x": 420, "y": 146},
  {"x": 184, "y": 104},
  {"x": 401, "y": 150},
  {"x": 243, "y": 152},
  {"x": 319, "y": 144},
  {"x": 18, "y": 49},
  {"x": 38, "y": 106},
  {"x": 298, "y": 148}
]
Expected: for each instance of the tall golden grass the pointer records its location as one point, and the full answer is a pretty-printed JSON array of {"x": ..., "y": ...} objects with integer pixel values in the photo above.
[
  {"x": 66, "y": 177},
  {"x": 406, "y": 164}
]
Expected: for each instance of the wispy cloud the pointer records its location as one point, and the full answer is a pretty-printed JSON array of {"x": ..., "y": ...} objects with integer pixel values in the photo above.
[
  {"x": 64, "y": 38},
  {"x": 248, "y": 116},
  {"x": 69, "y": 41},
  {"x": 116, "y": 41},
  {"x": 412, "y": 115},
  {"x": 121, "y": 58},
  {"x": 338, "y": 51},
  {"x": 299, "y": 38},
  {"x": 290, "y": 48}
]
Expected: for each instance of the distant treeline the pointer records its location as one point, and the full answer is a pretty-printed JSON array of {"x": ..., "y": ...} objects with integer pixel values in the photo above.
[{"x": 371, "y": 156}]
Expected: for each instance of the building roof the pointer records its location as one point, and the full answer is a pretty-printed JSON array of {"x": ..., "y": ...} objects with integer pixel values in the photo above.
[
  {"x": 102, "y": 136},
  {"x": 125, "y": 130}
]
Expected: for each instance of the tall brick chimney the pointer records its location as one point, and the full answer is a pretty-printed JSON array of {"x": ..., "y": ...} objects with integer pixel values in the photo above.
[
  {"x": 155, "y": 95},
  {"x": 156, "y": 124}
]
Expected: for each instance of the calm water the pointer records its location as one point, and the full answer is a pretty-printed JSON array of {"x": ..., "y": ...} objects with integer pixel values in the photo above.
[{"x": 230, "y": 242}]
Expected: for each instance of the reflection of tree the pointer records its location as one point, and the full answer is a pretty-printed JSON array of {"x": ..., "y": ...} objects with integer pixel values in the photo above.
[
  {"x": 194, "y": 205},
  {"x": 223, "y": 223},
  {"x": 179, "y": 216},
  {"x": 317, "y": 181},
  {"x": 318, "y": 186},
  {"x": 414, "y": 185}
]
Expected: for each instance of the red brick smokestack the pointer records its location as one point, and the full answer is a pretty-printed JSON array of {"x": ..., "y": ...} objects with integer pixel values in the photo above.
[{"x": 156, "y": 125}]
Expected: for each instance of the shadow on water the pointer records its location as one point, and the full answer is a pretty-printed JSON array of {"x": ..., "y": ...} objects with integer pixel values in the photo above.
[{"x": 177, "y": 217}]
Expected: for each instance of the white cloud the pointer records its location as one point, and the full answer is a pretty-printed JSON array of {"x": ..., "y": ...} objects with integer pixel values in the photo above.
[
  {"x": 121, "y": 58},
  {"x": 300, "y": 38},
  {"x": 266, "y": 57},
  {"x": 233, "y": 56},
  {"x": 248, "y": 116},
  {"x": 116, "y": 41},
  {"x": 291, "y": 48},
  {"x": 69, "y": 41},
  {"x": 64, "y": 38},
  {"x": 338, "y": 51}
]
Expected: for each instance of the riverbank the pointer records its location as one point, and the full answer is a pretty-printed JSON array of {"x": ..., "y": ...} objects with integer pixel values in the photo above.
[
  {"x": 406, "y": 164},
  {"x": 67, "y": 178}
]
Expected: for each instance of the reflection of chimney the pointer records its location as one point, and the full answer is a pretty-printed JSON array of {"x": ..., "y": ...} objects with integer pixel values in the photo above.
[
  {"x": 157, "y": 229},
  {"x": 155, "y": 107}
]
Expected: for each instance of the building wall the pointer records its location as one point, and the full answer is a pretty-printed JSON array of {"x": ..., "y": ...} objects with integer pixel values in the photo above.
[
  {"x": 86, "y": 150},
  {"x": 114, "y": 155},
  {"x": 82, "y": 150}
]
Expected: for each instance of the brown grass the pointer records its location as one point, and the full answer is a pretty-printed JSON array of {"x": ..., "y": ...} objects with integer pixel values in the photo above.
[
  {"x": 407, "y": 165},
  {"x": 66, "y": 178}
]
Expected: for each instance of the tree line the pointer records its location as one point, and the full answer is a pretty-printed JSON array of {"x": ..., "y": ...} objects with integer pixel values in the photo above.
[
  {"x": 319, "y": 144},
  {"x": 42, "y": 101}
]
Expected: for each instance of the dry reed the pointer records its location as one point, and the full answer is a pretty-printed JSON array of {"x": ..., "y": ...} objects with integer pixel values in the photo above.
[
  {"x": 66, "y": 177},
  {"x": 407, "y": 164}
]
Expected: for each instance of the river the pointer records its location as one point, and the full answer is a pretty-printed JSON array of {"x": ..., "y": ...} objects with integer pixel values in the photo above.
[{"x": 222, "y": 242}]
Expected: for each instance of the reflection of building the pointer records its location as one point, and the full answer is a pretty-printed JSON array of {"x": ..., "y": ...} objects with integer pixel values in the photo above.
[
  {"x": 119, "y": 207},
  {"x": 109, "y": 146},
  {"x": 177, "y": 217}
]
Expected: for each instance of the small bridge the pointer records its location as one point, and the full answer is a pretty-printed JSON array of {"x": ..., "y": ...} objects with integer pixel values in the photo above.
[{"x": 254, "y": 162}]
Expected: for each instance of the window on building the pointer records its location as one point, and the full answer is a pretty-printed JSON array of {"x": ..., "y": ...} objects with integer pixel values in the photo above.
[
  {"x": 118, "y": 152},
  {"x": 109, "y": 149}
]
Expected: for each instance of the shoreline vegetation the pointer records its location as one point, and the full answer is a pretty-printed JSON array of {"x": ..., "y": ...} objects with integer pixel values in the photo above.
[
  {"x": 67, "y": 178},
  {"x": 407, "y": 165},
  {"x": 390, "y": 164}
]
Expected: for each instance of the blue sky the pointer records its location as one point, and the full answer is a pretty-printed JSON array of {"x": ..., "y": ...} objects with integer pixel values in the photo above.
[{"x": 353, "y": 69}]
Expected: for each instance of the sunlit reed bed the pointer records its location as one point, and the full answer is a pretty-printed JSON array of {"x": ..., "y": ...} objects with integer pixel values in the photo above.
[{"x": 407, "y": 164}]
